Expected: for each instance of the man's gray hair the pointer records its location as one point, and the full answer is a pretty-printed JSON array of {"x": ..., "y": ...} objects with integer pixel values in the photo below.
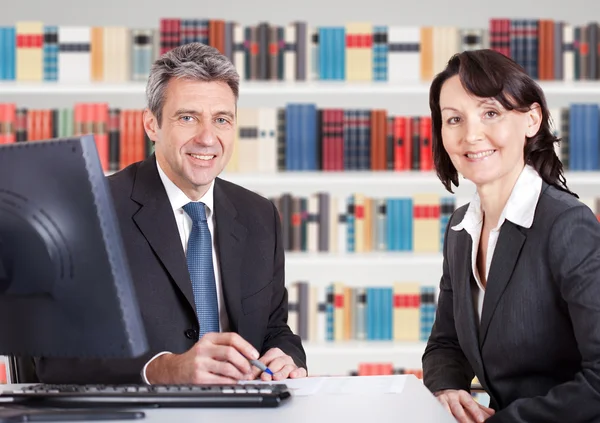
[{"x": 193, "y": 61}]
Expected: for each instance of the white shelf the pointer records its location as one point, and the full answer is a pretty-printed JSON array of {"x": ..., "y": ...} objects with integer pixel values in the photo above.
[
  {"x": 396, "y": 259},
  {"x": 380, "y": 183},
  {"x": 333, "y": 178},
  {"x": 339, "y": 358},
  {"x": 364, "y": 269},
  {"x": 71, "y": 88},
  {"x": 370, "y": 178},
  {"x": 280, "y": 88},
  {"x": 367, "y": 178},
  {"x": 362, "y": 348},
  {"x": 372, "y": 183}
]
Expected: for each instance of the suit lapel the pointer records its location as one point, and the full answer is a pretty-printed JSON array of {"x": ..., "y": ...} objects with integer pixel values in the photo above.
[
  {"x": 464, "y": 296},
  {"x": 231, "y": 242},
  {"x": 506, "y": 254},
  {"x": 156, "y": 221}
]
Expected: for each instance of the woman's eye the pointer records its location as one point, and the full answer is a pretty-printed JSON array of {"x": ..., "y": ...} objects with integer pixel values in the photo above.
[
  {"x": 491, "y": 114},
  {"x": 453, "y": 120}
]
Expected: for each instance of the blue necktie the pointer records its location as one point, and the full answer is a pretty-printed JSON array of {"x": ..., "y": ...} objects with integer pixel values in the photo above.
[{"x": 200, "y": 266}]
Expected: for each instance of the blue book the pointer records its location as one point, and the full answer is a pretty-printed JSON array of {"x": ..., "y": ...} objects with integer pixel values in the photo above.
[
  {"x": 291, "y": 154},
  {"x": 380, "y": 53},
  {"x": 308, "y": 137},
  {"x": 50, "y": 51},
  {"x": 575, "y": 142},
  {"x": 591, "y": 144},
  {"x": 325, "y": 54},
  {"x": 391, "y": 223},
  {"x": 350, "y": 241},
  {"x": 339, "y": 39},
  {"x": 8, "y": 51}
]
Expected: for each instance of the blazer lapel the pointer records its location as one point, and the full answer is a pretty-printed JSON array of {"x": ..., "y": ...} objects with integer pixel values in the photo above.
[
  {"x": 463, "y": 293},
  {"x": 231, "y": 242},
  {"x": 156, "y": 221},
  {"x": 506, "y": 254}
]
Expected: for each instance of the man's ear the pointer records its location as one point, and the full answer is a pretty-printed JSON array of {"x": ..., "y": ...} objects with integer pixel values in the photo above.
[
  {"x": 534, "y": 119},
  {"x": 151, "y": 125}
]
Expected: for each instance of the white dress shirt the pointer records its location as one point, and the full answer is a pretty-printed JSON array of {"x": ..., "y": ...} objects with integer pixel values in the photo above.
[
  {"x": 519, "y": 209},
  {"x": 178, "y": 199}
]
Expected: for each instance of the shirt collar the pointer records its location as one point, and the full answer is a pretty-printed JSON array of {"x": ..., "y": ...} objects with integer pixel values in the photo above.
[
  {"x": 519, "y": 209},
  {"x": 177, "y": 197}
]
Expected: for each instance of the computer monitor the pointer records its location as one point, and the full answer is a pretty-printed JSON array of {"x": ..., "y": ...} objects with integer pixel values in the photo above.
[{"x": 65, "y": 285}]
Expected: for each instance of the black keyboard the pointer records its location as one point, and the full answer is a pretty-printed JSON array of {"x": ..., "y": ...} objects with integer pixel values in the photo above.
[{"x": 243, "y": 395}]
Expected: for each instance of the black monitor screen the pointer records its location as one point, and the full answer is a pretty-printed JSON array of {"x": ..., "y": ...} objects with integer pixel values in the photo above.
[{"x": 65, "y": 287}]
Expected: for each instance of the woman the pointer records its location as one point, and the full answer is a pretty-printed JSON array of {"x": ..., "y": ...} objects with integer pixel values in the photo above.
[{"x": 519, "y": 302}]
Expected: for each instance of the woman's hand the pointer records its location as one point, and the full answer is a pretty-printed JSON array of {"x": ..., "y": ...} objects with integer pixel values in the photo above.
[{"x": 463, "y": 407}]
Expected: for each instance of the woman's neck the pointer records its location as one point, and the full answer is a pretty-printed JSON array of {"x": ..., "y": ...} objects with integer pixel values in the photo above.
[{"x": 495, "y": 195}]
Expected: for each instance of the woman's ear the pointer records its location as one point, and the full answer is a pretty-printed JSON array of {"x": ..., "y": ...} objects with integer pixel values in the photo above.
[{"x": 534, "y": 120}]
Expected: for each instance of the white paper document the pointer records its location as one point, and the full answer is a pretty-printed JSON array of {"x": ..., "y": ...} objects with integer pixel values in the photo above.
[{"x": 344, "y": 385}]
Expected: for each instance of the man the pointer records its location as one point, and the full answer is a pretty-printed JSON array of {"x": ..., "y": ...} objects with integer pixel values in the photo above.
[{"x": 205, "y": 255}]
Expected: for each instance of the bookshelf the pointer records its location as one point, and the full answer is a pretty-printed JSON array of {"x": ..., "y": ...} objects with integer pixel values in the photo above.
[
  {"x": 352, "y": 268},
  {"x": 276, "y": 88}
]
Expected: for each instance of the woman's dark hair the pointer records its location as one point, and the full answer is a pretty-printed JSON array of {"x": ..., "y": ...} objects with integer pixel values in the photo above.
[{"x": 489, "y": 74}]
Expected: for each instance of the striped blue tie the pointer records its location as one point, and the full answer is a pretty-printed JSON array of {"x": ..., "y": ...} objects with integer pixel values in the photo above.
[{"x": 200, "y": 266}]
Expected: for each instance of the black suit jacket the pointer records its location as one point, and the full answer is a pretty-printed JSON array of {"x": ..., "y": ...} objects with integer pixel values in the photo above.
[
  {"x": 251, "y": 258},
  {"x": 537, "y": 349}
]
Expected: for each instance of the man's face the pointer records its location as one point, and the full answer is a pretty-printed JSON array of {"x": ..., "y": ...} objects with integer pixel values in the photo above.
[{"x": 196, "y": 135}]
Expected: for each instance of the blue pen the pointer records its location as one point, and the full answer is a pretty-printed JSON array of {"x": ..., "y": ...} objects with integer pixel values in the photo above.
[{"x": 261, "y": 366}]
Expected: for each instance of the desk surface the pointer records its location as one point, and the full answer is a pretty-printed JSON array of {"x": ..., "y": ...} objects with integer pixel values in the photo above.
[{"x": 414, "y": 404}]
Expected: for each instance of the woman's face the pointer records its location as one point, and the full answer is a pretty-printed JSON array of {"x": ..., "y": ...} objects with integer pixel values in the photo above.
[{"x": 484, "y": 140}]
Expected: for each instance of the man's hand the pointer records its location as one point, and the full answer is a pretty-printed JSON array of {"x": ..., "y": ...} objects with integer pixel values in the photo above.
[
  {"x": 281, "y": 364},
  {"x": 216, "y": 358},
  {"x": 463, "y": 407}
]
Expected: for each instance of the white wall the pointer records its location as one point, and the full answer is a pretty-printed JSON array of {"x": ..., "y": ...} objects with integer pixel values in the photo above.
[{"x": 320, "y": 12}]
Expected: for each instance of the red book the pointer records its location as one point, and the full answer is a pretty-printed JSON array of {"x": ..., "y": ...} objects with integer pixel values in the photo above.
[
  {"x": 2, "y": 372},
  {"x": 326, "y": 140},
  {"x": 138, "y": 134},
  {"x": 339, "y": 139},
  {"x": 401, "y": 143},
  {"x": 426, "y": 155},
  {"x": 46, "y": 118},
  {"x": 33, "y": 125},
  {"x": 10, "y": 123},
  {"x": 100, "y": 113},
  {"x": 3, "y": 123},
  {"x": 124, "y": 146}
]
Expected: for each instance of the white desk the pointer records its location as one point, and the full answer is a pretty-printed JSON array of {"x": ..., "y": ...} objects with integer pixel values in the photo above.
[{"x": 414, "y": 404}]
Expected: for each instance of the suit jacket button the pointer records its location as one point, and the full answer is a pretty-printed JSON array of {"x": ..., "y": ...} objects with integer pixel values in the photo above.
[{"x": 191, "y": 334}]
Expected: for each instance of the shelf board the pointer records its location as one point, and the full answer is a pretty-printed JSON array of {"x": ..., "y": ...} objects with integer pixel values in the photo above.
[
  {"x": 368, "y": 178},
  {"x": 279, "y": 88},
  {"x": 398, "y": 259},
  {"x": 365, "y": 348},
  {"x": 372, "y": 178},
  {"x": 379, "y": 183},
  {"x": 333, "y": 178},
  {"x": 71, "y": 88}
]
